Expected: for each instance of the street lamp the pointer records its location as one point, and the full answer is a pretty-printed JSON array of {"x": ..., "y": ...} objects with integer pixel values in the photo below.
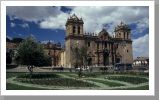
[{"x": 123, "y": 44}]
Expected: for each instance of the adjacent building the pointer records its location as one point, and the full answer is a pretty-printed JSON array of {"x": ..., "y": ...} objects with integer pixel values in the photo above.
[{"x": 139, "y": 61}]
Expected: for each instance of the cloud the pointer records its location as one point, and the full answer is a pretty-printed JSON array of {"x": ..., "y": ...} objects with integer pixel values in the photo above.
[
  {"x": 25, "y": 25},
  {"x": 32, "y": 13},
  {"x": 57, "y": 22},
  {"x": 94, "y": 17},
  {"x": 142, "y": 25},
  {"x": 141, "y": 46},
  {"x": 9, "y": 37},
  {"x": 12, "y": 24}
]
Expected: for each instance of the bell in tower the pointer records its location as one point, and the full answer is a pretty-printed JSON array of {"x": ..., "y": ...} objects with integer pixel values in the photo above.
[
  {"x": 122, "y": 31},
  {"x": 74, "y": 26}
]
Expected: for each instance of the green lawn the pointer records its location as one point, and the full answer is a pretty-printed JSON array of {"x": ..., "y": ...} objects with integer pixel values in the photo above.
[
  {"x": 10, "y": 86},
  {"x": 135, "y": 88},
  {"x": 111, "y": 84}
]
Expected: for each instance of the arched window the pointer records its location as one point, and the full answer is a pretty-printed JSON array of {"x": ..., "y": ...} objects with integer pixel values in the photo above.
[
  {"x": 78, "y": 30},
  {"x": 74, "y": 29},
  {"x": 124, "y": 35},
  {"x": 49, "y": 53},
  {"x": 127, "y": 35},
  {"x": 106, "y": 44},
  {"x": 89, "y": 44}
]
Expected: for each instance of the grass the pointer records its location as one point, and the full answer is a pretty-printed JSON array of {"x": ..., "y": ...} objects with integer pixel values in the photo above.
[
  {"x": 133, "y": 80},
  {"x": 10, "y": 74},
  {"x": 111, "y": 84},
  {"x": 59, "y": 82},
  {"x": 10, "y": 86},
  {"x": 71, "y": 75},
  {"x": 135, "y": 88}
]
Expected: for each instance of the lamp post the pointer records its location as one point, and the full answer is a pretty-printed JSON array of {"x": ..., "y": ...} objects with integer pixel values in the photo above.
[{"x": 123, "y": 44}]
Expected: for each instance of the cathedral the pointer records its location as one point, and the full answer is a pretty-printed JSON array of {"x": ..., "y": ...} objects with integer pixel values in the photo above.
[{"x": 104, "y": 49}]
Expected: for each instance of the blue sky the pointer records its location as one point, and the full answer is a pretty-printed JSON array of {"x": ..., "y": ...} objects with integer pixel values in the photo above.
[{"x": 48, "y": 22}]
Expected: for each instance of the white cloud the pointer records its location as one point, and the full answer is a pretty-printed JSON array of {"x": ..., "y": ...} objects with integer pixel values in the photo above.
[
  {"x": 57, "y": 22},
  {"x": 141, "y": 46},
  {"x": 32, "y": 13},
  {"x": 12, "y": 24},
  {"x": 9, "y": 37},
  {"x": 25, "y": 25},
  {"x": 142, "y": 25},
  {"x": 94, "y": 17}
]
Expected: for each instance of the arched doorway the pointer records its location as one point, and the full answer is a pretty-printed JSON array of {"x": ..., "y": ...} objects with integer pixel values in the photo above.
[
  {"x": 106, "y": 59},
  {"x": 118, "y": 60},
  {"x": 89, "y": 61}
]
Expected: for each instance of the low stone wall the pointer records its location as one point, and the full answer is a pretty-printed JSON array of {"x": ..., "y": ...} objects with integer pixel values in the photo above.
[{"x": 11, "y": 66}]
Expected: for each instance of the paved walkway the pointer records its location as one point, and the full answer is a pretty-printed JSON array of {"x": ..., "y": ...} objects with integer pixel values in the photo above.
[
  {"x": 47, "y": 69},
  {"x": 25, "y": 69}
]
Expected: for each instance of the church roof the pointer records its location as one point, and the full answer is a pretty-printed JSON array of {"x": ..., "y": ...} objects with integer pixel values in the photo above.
[
  {"x": 74, "y": 17},
  {"x": 104, "y": 32},
  {"x": 141, "y": 58}
]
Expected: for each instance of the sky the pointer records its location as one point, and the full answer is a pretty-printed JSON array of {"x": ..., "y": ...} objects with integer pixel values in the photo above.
[{"x": 48, "y": 22}]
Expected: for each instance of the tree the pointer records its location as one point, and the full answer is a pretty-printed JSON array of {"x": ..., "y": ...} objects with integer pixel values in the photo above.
[
  {"x": 17, "y": 40},
  {"x": 80, "y": 55},
  {"x": 31, "y": 53},
  {"x": 7, "y": 39}
]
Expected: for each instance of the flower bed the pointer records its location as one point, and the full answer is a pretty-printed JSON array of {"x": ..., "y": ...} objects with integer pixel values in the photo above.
[
  {"x": 133, "y": 80},
  {"x": 58, "y": 82},
  {"x": 39, "y": 76},
  {"x": 127, "y": 72}
]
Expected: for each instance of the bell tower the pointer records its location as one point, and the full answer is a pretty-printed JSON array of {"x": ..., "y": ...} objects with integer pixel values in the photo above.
[
  {"x": 122, "y": 31},
  {"x": 123, "y": 44},
  {"x": 74, "y": 26}
]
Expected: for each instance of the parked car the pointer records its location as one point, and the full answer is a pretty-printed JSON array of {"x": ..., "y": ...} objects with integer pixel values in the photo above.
[
  {"x": 121, "y": 66},
  {"x": 83, "y": 69}
]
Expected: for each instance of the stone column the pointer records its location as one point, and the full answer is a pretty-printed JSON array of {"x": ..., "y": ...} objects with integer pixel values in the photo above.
[
  {"x": 81, "y": 29},
  {"x": 71, "y": 29},
  {"x": 129, "y": 35},
  {"x": 110, "y": 59}
]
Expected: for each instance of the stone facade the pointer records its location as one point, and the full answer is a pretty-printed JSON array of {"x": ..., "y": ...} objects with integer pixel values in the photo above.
[
  {"x": 104, "y": 49},
  {"x": 54, "y": 53}
]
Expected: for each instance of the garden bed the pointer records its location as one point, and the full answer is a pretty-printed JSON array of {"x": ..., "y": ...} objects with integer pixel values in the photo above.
[
  {"x": 57, "y": 82},
  {"x": 133, "y": 80},
  {"x": 39, "y": 76}
]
